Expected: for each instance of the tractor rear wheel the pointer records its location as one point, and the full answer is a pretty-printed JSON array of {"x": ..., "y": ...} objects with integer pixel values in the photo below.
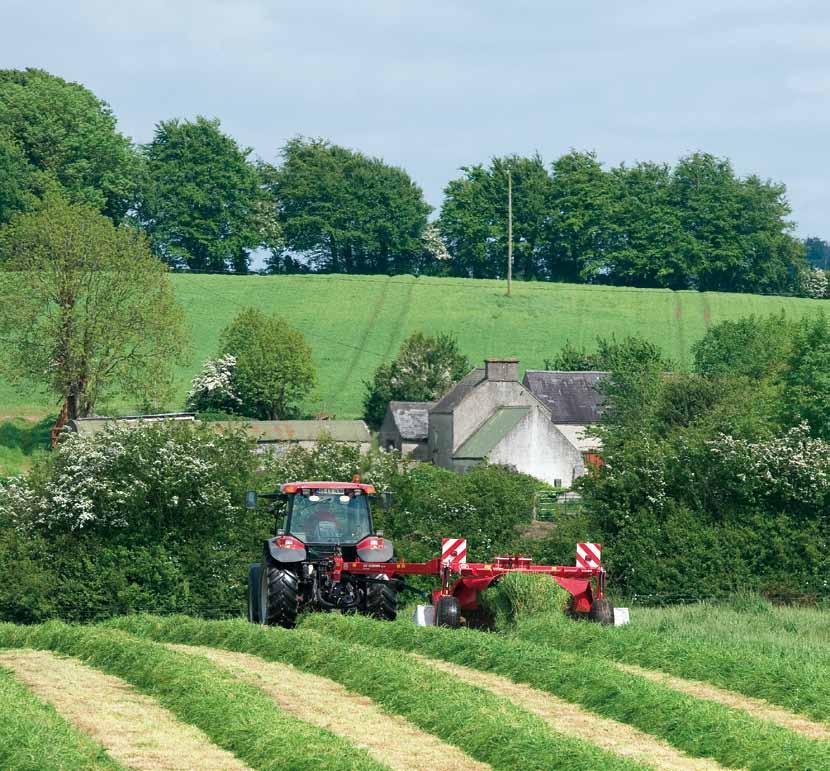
[
  {"x": 381, "y": 601},
  {"x": 602, "y": 611},
  {"x": 448, "y": 612},
  {"x": 253, "y": 593},
  {"x": 278, "y": 601}
]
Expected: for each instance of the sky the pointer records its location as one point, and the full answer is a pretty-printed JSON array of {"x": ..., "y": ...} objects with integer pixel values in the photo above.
[{"x": 433, "y": 86}]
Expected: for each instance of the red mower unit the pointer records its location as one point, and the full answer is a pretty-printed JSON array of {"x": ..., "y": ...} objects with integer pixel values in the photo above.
[{"x": 328, "y": 556}]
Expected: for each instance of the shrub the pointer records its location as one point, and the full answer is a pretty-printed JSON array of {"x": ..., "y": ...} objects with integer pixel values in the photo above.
[{"x": 214, "y": 389}]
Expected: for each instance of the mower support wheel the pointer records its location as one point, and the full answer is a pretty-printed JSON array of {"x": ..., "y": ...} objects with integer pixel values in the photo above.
[
  {"x": 381, "y": 601},
  {"x": 253, "y": 593},
  {"x": 602, "y": 611},
  {"x": 279, "y": 589},
  {"x": 448, "y": 612}
]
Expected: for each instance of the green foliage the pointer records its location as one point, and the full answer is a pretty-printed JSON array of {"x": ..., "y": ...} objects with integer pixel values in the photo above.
[
  {"x": 85, "y": 310},
  {"x": 274, "y": 369},
  {"x": 517, "y": 596},
  {"x": 20, "y": 183},
  {"x": 424, "y": 370},
  {"x": 69, "y": 136},
  {"x": 21, "y": 441},
  {"x": 234, "y": 715},
  {"x": 202, "y": 202},
  {"x": 817, "y": 252},
  {"x": 487, "y": 727},
  {"x": 575, "y": 673},
  {"x": 807, "y": 376},
  {"x": 33, "y": 737},
  {"x": 632, "y": 352},
  {"x": 343, "y": 212}
]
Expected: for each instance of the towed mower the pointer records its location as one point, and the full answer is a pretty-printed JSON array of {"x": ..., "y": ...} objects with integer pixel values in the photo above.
[{"x": 327, "y": 555}]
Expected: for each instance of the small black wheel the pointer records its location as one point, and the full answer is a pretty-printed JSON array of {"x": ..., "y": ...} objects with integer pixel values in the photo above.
[
  {"x": 278, "y": 601},
  {"x": 253, "y": 594},
  {"x": 448, "y": 612},
  {"x": 381, "y": 601},
  {"x": 602, "y": 611}
]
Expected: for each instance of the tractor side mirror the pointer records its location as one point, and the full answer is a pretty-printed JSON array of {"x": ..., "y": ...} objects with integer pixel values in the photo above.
[
  {"x": 250, "y": 499},
  {"x": 386, "y": 500}
]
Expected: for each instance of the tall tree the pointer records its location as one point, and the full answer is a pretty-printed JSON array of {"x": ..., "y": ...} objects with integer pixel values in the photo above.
[
  {"x": 474, "y": 218},
  {"x": 20, "y": 182},
  {"x": 343, "y": 212},
  {"x": 202, "y": 201},
  {"x": 581, "y": 227},
  {"x": 817, "y": 253},
  {"x": 273, "y": 369},
  {"x": 67, "y": 132},
  {"x": 85, "y": 310}
]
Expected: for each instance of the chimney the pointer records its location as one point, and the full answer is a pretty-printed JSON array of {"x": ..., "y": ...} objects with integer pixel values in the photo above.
[{"x": 501, "y": 369}]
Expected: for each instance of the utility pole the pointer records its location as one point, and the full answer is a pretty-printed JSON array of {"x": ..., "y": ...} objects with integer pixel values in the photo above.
[{"x": 509, "y": 232}]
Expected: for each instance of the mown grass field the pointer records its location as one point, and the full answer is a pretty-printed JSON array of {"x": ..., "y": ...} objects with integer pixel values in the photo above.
[
  {"x": 347, "y": 692},
  {"x": 353, "y": 323}
]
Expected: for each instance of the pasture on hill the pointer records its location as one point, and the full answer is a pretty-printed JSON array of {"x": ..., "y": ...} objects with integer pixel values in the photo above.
[
  {"x": 148, "y": 692},
  {"x": 353, "y": 323}
]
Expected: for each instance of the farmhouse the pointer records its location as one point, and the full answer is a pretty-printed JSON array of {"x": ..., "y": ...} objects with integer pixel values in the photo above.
[
  {"x": 490, "y": 416},
  {"x": 574, "y": 402},
  {"x": 406, "y": 429}
]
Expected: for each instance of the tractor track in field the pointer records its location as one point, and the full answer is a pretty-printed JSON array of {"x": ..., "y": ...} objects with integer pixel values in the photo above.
[
  {"x": 135, "y": 730},
  {"x": 757, "y": 708},
  {"x": 566, "y": 718},
  {"x": 389, "y": 739}
]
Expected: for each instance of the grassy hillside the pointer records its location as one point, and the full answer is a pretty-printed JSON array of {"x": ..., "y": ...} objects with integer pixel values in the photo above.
[{"x": 353, "y": 323}]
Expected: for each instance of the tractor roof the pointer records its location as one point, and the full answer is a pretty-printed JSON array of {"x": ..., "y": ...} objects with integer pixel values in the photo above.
[{"x": 292, "y": 487}]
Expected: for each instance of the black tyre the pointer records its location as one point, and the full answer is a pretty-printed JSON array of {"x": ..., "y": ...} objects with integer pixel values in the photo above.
[
  {"x": 278, "y": 600},
  {"x": 253, "y": 594},
  {"x": 448, "y": 612},
  {"x": 602, "y": 611},
  {"x": 381, "y": 601}
]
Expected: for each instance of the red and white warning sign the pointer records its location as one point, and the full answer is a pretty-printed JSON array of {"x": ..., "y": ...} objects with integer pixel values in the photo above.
[
  {"x": 453, "y": 550},
  {"x": 588, "y": 555}
]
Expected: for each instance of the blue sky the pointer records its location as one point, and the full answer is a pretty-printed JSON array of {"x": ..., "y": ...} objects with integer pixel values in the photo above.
[{"x": 432, "y": 86}]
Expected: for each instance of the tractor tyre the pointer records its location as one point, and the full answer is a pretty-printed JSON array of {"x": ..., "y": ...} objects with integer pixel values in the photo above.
[
  {"x": 253, "y": 594},
  {"x": 448, "y": 612},
  {"x": 381, "y": 601},
  {"x": 278, "y": 596},
  {"x": 602, "y": 611}
]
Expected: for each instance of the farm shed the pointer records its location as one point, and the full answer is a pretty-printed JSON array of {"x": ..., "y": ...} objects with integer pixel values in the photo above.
[
  {"x": 490, "y": 416},
  {"x": 406, "y": 428},
  {"x": 278, "y": 435}
]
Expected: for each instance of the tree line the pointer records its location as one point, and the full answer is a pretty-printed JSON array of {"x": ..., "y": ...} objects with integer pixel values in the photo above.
[{"x": 206, "y": 205}]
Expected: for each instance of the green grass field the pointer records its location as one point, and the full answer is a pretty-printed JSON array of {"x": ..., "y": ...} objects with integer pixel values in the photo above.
[
  {"x": 353, "y": 323},
  {"x": 553, "y": 695}
]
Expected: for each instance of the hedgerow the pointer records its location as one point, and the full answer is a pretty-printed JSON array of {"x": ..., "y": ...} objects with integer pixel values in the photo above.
[
  {"x": 486, "y": 727},
  {"x": 234, "y": 715},
  {"x": 700, "y": 728},
  {"x": 33, "y": 737}
]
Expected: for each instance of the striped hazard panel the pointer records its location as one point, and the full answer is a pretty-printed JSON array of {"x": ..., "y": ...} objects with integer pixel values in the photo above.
[
  {"x": 588, "y": 555},
  {"x": 453, "y": 550}
]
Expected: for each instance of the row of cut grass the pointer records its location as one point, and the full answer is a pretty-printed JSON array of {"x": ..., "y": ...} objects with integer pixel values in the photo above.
[
  {"x": 488, "y": 728},
  {"x": 234, "y": 715},
  {"x": 792, "y": 675},
  {"x": 700, "y": 728},
  {"x": 34, "y": 737}
]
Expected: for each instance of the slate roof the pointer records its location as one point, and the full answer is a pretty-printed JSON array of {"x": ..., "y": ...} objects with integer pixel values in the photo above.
[
  {"x": 457, "y": 393},
  {"x": 571, "y": 397},
  {"x": 411, "y": 419},
  {"x": 491, "y": 432},
  {"x": 301, "y": 430}
]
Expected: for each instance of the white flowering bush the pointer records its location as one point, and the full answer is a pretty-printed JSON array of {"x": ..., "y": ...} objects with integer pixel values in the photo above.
[
  {"x": 815, "y": 283},
  {"x": 156, "y": 475},
  {"x": 213, "y": 389}
]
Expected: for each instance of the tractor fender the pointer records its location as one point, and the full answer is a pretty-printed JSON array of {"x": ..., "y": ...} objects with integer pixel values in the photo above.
[
  {"x": 281, "y": 553},
  {"x": 375, "y": 548}
]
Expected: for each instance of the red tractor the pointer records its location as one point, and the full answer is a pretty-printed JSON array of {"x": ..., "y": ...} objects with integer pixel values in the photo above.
[{"x": 328, "y": 556}]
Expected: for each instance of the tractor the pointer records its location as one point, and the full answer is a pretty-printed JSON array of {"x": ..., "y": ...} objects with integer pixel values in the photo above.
[
  {"x": 325, "y": 522},
  {"x": 327, "y": 555}
]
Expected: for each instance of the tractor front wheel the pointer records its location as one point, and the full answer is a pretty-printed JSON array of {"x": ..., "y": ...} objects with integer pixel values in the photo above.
[
  {"x": 278, "y": 600},
  {"x": 448, "y": 612},
  {"x": 381, "y": 601}
]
